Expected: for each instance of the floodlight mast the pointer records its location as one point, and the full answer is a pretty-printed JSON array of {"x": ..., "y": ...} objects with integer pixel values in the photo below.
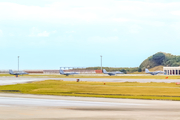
[
  {"x": 101, "y": 62},
  {"x": 18, "y": 63}
]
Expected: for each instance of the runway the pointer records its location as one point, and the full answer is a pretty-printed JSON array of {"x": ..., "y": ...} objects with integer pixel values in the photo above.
[
  {"x": 57, "y": 103},
  {"x": 19, "y": 80},
  {"x": 38, "y": 107}
]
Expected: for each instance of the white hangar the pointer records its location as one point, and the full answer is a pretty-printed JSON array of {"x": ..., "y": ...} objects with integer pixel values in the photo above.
[{"x": 171, "y": 70}]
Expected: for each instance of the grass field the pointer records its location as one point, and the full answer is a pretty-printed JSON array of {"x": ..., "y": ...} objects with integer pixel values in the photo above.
[
  {"x": 86, "y": 76},
  {"x": 159, "y": 91}
]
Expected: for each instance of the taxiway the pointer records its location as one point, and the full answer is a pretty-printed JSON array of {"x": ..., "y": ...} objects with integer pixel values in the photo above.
[{"x": 19, "y": 80}]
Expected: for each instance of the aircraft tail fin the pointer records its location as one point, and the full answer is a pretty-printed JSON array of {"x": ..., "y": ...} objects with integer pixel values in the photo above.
[
  {"x": 11, "y": 72},
  {"x": 146, "y": 70},
  {"x": 61, "y": 71},
  {"x": 104, "y": 71}
]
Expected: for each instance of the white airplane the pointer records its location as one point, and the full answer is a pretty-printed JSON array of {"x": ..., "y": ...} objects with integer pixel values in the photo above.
[
  {"x": 111, "y": 73},
  {"x": 153, "y": 73},
  {"x": 19, "y": 73},
  {"x": 62, "y": 73}
]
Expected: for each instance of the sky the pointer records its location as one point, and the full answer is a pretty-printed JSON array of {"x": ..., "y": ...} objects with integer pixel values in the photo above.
[{"x": 48, "y": 34}]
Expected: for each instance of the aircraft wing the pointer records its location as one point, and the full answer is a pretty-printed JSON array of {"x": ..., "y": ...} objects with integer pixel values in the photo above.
[
  {"x": 111, "y": 73},
  {"x": 118, "y": 72},
  {"x": 22, "y": 73},
  {"x": 160, "y": 72},
  {"x": 75, "y": 73},
  {"x": 70, "y": 73},
  {"x": 156, "y": 72}
]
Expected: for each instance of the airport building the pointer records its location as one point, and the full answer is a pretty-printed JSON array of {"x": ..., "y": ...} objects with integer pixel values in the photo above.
[{"x": 171, "y": 70}]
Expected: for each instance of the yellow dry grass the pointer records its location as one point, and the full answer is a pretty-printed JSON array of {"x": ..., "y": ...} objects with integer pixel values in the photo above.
[{"x": 165, "y": 91}]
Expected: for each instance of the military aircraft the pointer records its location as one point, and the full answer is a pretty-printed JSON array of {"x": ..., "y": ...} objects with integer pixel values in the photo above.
[
  {"x": 153, "y": 73},
  {"x": 18, "y": 73},
  {"x": 112, "y": 73},
  {"x": 62, "y": 73}
]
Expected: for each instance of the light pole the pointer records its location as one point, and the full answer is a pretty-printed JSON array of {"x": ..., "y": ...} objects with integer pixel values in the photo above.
[
  {"x": 18, "y": 63},
  {"x": 101, "y": 62}
]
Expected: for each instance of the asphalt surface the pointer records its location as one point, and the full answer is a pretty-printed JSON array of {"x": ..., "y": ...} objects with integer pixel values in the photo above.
[
  {"x": 14, "y": 80},
  {"x": 57, "y": 103},
  {"x": 42, "y": 107}
]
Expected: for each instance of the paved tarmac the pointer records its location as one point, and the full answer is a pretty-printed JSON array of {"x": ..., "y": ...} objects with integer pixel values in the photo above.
[
  {"x": 14, "y": 80},
  {"x": 122, "y": 80},
  {"x": 43, "y": 107}
]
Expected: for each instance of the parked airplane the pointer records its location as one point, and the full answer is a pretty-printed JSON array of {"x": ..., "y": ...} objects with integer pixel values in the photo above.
[
  {"x": 62, "y": 72},
  {"x": 111, "y": 73},
  {"x": 153, "y": 73},
  {"x": 19, "y": 73}
]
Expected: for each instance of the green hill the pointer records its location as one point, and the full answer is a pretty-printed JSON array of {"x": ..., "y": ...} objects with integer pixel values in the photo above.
[{"x": 160, "y": 59}]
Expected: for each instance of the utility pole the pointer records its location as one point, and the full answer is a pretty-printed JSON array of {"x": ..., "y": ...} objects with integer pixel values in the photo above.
[
  {"x": 18, "y": 63},
  {"x": 101, "y": 62}
]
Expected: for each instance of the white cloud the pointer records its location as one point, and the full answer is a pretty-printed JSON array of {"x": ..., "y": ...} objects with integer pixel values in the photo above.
[
  {"x": 105, "y": 12},
  {"x": 35, "y": 32},
  {"x": 43, "y": 34},
  {"x": 175, "y": 13},
  {"x": 99, "y": 39},
  {"x": 135, "y": 29},
  {"x": 115, "y": 30},
  {"x": 70, "y": 11},
  {"x": 1, "y": 32},
  {"x": 54, "y": 31},
  {"x": 11, "y": 34},
  {"x": 120, "y": 20},
  {"x": 70, "y": 31}
]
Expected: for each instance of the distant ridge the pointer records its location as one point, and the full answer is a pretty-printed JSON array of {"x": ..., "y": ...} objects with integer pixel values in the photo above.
[{"x": 160, "y": 59}]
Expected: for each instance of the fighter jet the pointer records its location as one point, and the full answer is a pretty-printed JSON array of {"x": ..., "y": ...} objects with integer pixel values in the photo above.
[
  {"x": 62, "y": 73},
  {"x": 153, "y": 73},
  {"x": 19, "y": 73},
  {"x": 111, "y": 73}
]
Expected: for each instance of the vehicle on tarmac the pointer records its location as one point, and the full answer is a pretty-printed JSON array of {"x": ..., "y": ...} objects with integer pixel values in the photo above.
[
  {"x": 63, "y": 73},
  {"x": 18, "y": 73},
  {"x": 154, "y": 73},
  {"x": 112, "y": 73}
]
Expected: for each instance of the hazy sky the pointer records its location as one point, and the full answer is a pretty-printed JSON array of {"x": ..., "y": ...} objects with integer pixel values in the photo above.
[{"x": 47, "y": 34}]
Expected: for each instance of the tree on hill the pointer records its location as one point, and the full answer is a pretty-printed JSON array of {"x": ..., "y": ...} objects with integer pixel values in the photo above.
[
  {"x": 160, "y": 58},
  {"x": 111, "y": 69}
]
